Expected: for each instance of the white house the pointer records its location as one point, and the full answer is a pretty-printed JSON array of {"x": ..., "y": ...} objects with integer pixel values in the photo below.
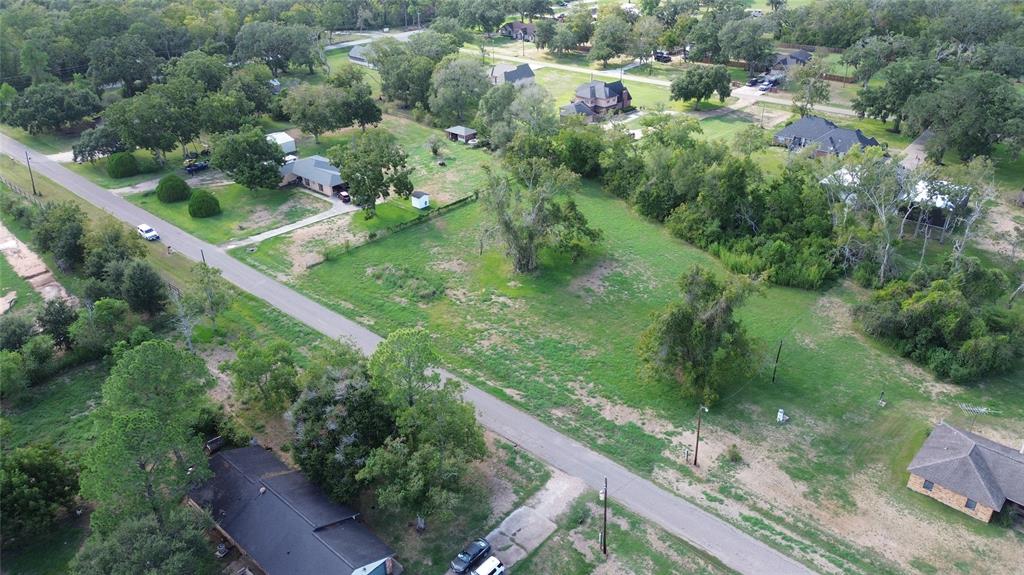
[
  {"x": 283, "y": 140},
  {"x": 420, "y": 200}
]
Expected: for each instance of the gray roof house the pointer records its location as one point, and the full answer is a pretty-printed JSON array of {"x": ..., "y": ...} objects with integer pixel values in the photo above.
[
  {"x": 461, "y": 134},
  {"x": 829, "y": 138},
  {"x": 577, "y": 109},
  {"x": 968, "y": 472},
  {"x": 799, "y": 57},
  {"x": 602, "y": 97},
  {"x": 284, "y": 523},
  {"x": 520, "y": 75},
  {"x": 315, "y": 173}
]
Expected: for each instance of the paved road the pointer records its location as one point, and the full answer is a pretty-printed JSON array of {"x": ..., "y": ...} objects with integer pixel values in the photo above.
[{"x": 730, "y": 545}]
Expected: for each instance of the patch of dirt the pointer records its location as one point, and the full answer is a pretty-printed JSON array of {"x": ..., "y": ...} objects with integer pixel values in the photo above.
[
  {"x": 7, "y": 302},
  {"x": 30, "y": 267},
  {"x": 592, "y": 283},
  {"x": 999, "y": 233},
  {"x": 457, "y": 266},
  {"x": 304, "y": 245},
  {"x": 839, "y": 313}
]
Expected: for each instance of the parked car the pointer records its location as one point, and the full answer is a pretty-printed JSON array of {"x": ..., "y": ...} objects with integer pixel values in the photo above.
[
  {"x": 491, "y": 566},
  {"x": 345, "y": 197},
  {"x": 147, "y": 232},
  {"x": 473, "y": 143},
  {"x": 196, "y": 167},
  {"x": 755, "y": 80},
  {"x": 662, "y": 56},
  {"x": 472, "y": 554}
]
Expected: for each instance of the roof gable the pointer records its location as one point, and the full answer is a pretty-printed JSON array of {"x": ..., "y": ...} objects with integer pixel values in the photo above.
[
  {"x": 314, "y": 168},
  {"x": 971, "y": 465}
]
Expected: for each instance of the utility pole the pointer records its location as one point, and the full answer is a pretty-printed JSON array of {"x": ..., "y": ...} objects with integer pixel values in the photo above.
[
  {"x": 604, "y": 528},
  {"x": 696, "y": 444},
  {"x": 775, "y": 368},
  {"x": 28, "y": 162}
]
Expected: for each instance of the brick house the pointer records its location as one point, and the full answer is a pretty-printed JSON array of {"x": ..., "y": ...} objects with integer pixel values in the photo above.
[
  {"x": 968, "y": 472},
  {"x": 827, "y": 138},
  {"x": 603, "y": 97},
  {"x": 518, "y": 31}
]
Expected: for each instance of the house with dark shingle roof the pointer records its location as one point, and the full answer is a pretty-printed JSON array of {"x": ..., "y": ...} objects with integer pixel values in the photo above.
[
  {"x": 603, "y": 97},
  {"x": 968, "y": 472},
  {"x": 521, "y": 75},
  {"x": 283, "y": 522},
  {"x": 518, "y": 31},
  {"x": 826, "y": 136},
  {"x": 797, "y": 58},
  {"x": 577, "y": 109}
]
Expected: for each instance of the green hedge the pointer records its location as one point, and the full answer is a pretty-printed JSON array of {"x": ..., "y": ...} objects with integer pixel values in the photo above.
[
  {"x": 122, "y": 165},
  {"x": 203, "y": 204},
  {"x": 172, "y": 189}
]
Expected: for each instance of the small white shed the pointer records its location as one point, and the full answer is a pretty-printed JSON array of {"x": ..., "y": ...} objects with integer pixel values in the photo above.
[
  {"x": 283, "y": 140},
  {"x": 420, "y": 200}
]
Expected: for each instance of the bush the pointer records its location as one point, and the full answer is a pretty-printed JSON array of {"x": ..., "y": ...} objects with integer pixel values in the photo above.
[
  {"x": 732, "y": 454},
  {"x": 13, "y": 379},
  {"x": 203, "y": 204},
  {"x": 122, "y": 165},
  {"x": 37, "y": 357},
  {"x": 14, "y": 331},
  {"x": 172, "y": 189}
]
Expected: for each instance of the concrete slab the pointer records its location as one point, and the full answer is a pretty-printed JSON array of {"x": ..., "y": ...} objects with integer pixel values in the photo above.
[{"x": 527, "y": 527}]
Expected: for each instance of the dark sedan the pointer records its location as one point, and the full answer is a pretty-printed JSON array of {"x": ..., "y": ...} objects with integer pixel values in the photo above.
[{"x": 476, "y": 550}]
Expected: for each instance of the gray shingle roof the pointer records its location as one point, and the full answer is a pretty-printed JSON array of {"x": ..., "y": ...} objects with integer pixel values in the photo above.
[
  {"x": 314, "y": 168},
  {"x": 971, "y": 465},
  {"x": 828, "y": 136},
  {"x": 291, "y": 527},
  {"x": 576, "y": 108},
  {"x": 599, "y": 89},
  {"x": 420, "y": 194},
  {"x": 461, "y": 131}
]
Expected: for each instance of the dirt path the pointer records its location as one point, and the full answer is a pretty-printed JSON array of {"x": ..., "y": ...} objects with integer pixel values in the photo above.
[{"x": 30, "y": 267}]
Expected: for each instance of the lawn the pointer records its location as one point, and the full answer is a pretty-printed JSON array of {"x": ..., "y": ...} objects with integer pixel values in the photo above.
[
  {"x": 149, "y": 169},
  {"x": 49, "y": 143},
  {"x": 58, "y": 411},
  {"x": 245, "y": 212},
  {"x": 462, "y": 175},
  {"x": 390, "y": 213},
  {"x": 48, "y": 554},
  {"x": 561, "y": 345}
]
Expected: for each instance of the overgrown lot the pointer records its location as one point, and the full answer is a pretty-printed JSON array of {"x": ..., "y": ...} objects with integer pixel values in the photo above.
[{"x": 562, "y": 345}]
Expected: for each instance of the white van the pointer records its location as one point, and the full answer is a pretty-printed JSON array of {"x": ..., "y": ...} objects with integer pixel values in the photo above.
[{"x": 491, "y": 566}]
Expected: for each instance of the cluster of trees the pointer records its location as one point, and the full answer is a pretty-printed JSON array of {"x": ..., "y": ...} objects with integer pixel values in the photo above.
[
  {"x": 390, "y": 423},
  {"x": 945, "y": 316}
]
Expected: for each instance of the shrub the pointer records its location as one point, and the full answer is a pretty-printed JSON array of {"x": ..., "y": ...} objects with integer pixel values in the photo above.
[
  {"x": 732, "y": 454},
  {"x": 122, "y": 165},
  {"x": 37, "y": 358},
  {"x": 14, "y": 331},
  {"x": 172, "y": 189},
  {"x": 203, "y": 204},
  {"x": 13, "y": 379}
]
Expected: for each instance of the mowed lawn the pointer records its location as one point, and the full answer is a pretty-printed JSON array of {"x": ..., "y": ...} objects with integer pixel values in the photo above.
[
  {"x": 244, "y": 212},
  {"x": 462, "y": 174},
  {"x": 54, "y": 143},
  {"x": 561, "y": 84}
]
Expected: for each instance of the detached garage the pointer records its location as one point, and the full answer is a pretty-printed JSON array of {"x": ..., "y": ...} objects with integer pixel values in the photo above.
[
  {"x": 283, "y": 140},
  {"x": 420, "y": 200}
]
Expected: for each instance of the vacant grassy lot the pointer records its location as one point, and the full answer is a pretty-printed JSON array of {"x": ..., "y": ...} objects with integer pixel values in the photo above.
[
  {"x": 561, "y": 84},
  {"x": 51, "y": 553},
  {"x": 245, "y": 212},
  {"x": 561, "y": 344},
  {"x": 58, "y": 411},
  {"x": 391, "y": 213}
]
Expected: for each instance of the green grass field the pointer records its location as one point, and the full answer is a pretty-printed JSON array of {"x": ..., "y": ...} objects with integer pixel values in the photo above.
[
  {"x": 245, "y": 212},
  {"x": 561, "y": 84},
  {"x": 48, "y": 554},
  {"x": 390, "y": 213}
]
